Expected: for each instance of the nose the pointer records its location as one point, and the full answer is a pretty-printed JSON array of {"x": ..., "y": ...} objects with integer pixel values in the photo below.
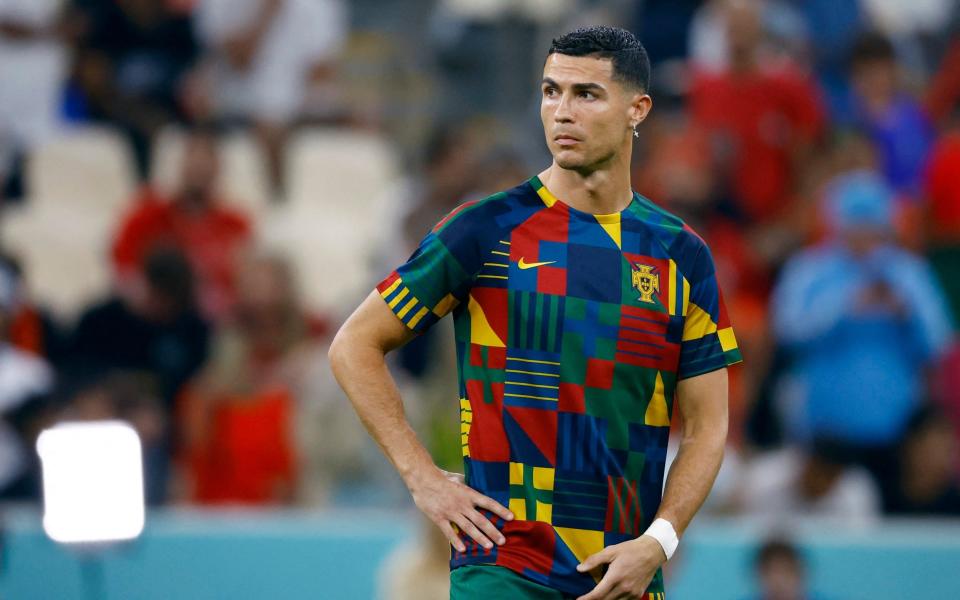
[{"x": 563, "y": 114}]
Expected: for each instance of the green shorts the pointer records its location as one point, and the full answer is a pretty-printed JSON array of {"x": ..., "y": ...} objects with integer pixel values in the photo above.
[{"x": 481, "y": 582}]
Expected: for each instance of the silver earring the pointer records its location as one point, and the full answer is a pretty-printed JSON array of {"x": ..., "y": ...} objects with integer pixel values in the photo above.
[{"x": 636, "y": 133}]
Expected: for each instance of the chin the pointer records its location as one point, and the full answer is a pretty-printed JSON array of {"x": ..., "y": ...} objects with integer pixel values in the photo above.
[{"x": 566, "y": 159}]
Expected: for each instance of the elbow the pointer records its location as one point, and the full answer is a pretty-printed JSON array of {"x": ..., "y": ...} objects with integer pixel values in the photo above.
[{"x": 337, "y": 352}]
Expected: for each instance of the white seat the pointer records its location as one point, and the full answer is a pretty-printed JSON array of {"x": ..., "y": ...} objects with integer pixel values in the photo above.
[
  {"x": 64, "y": 254},
  {"x": 338, "y": 171},
  {"x": 87, "y": 167},
  {"x": 243, "y": 178},
  {"x": 329, "y": 227},
  {"x": 332, "y": 264}
]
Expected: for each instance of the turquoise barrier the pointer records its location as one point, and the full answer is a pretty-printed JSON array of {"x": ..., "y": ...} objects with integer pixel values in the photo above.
[{"x": 336, "y": 555}]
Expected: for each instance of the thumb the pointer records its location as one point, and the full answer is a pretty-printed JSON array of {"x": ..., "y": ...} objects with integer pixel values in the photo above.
[{"x": 593, "y": 561}]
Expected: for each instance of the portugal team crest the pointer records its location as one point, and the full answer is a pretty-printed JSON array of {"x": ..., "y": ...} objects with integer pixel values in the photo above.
[{"x": 646, "y": 281}]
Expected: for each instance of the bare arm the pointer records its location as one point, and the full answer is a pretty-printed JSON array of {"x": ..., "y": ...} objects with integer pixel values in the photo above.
[
  {"x": 703, "y": 405},
  {"x": 702, "y": 401},
  {"x": 357, "y": 358}
]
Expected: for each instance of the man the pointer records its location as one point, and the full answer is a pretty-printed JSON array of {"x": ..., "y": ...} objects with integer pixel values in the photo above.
[
  {"x": 194, "y": 220},
  {"x": 862, "y": 319},
  {"x": 580, "y": 308}
]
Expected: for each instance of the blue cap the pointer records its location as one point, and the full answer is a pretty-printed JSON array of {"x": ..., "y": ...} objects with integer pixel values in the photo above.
[{"x": 859, "y": 199}]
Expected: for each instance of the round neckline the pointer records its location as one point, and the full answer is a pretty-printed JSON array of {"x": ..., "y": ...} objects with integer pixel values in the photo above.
[{"x": 550, "y": 199}]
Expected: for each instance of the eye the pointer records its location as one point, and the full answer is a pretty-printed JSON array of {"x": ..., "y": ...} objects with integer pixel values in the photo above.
[
  {"x": 587, "y": 95},
  {"x": 549, "y": 91}
]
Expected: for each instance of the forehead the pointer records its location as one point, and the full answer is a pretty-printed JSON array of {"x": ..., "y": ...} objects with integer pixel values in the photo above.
[{"x": 578, "y": 69}]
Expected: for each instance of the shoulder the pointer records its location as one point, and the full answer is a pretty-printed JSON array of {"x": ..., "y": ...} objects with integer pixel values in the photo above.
[
  {"x": 682, "y": 243},
  {"x": 491, "y": 215}
]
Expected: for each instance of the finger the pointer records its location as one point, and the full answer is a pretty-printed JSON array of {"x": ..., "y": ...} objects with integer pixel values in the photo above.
[
  {"x": 603, "y": 589},
  {"x": 451, "y": 536},
  {"x": 493, "y": 506},
  {"x": 595, "y": 560},
  {"x": 486, "y": 526},
  {"x": 470, "y": 529}
]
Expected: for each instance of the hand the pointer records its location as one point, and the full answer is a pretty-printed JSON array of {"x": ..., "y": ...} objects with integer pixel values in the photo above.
[
  {"x": 632, "y": 567},
  {"x": 446, "y": 500}
]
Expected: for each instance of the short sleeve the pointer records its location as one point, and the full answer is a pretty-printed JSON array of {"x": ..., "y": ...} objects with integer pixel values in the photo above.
[
  {"x": 708, "y": 341},
  {"x": 440, "y": 272}
]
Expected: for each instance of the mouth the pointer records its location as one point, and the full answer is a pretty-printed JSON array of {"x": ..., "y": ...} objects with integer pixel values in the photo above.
[{"x": 566, "y": 140}]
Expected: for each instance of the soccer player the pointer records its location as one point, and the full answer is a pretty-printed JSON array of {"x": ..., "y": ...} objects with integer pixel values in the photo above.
[{"x": 580, "y": 310}]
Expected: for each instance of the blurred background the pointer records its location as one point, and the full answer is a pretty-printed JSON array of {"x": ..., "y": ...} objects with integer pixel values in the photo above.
[{"x": 196, "y": 193}]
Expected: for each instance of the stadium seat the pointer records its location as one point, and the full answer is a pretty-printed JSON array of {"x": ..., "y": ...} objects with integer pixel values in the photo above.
[
  {"x": 338, "y": 171},
  {"x": 329, "y": 226},
  {"x": 243, "y": 177},
  {"x": 63, "y": 249},
  {"x": 87, "y": 167}
]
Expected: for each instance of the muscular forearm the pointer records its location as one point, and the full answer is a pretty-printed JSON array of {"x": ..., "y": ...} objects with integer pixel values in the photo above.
[
  {"x": 691, "y": 477},
  {"x": 702, "y": 401},
  {"x": 363, "y": 374}
]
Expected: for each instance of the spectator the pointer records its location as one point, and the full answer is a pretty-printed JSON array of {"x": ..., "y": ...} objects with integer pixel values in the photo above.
[
  {"x": 942, "y": 190},
  {"x": 32, "y": 68},
  {"x": 96, "y": 395},
  {"x": 157, "y": 332},
  {"x": 25, "y": 380},
  {"x": 781, "y": 572},
  {"x": 862, "y": 318},
  {"x": 131, "y": 67},
  {"x": 926, "y": 482},
  {"x": 194, "y": 221},
  {"x": 29, "y": 327},
  {"x": 265, "y": 57},
  {"x": 763, "y": 119},
  {"x": 238, "y": 417},
  {"x": 894, "y": 120},
  {"x": 817, "y": 481}
]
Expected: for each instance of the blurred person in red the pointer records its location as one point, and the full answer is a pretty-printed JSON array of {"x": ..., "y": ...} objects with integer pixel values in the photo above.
[
  {"x": 193, "y": 220},
  {"x": 927, "y": 468},
  {"x": 781, "y": 572},
  {"x": 238, "y": 416},
  {"x": 131, "y": 66},
  {"x": 942, "y": 196},
  {"x": 763, "y": 117}
]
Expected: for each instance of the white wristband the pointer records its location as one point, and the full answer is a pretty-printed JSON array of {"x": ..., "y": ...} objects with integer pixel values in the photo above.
[{"x": 662, "y": 531}]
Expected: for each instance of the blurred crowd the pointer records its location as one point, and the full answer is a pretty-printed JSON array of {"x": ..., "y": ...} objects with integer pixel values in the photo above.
[{"x": 815, "y": 145}]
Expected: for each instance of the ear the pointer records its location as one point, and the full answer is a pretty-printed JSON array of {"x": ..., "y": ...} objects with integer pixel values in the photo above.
[{"x": 640, "y": 106}]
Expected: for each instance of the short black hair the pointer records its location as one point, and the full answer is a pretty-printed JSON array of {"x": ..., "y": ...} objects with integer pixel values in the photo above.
[
  {"x": 870, "y": 47},
  {"x": 777, "y": 548},
  {"x": 631, "y": 65}
]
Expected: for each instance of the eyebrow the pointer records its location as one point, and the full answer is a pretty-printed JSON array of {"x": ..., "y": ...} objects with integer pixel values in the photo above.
[{"x": 577, "y": 87}]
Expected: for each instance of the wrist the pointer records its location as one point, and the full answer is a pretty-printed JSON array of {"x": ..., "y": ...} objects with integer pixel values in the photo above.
[
  {"x": 664, "y": 533},
  {"x": 417, "y": 475}
]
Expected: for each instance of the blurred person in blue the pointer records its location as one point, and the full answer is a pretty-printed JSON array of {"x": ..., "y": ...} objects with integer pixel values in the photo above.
[
  {"x": 861, "y": 319},
  {"x": 894, "y": 120},
  {"x": 781, "y": 572}
]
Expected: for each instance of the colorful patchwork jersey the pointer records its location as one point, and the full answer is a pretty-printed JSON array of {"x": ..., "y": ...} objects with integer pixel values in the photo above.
[{"x": 572, "y": 331}]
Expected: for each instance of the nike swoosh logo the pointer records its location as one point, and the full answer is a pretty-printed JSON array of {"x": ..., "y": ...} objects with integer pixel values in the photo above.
[{"x": 526, "y": 265}]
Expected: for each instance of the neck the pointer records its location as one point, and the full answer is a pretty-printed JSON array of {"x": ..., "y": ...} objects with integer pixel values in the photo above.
[{"x": 601, "y": 191}]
